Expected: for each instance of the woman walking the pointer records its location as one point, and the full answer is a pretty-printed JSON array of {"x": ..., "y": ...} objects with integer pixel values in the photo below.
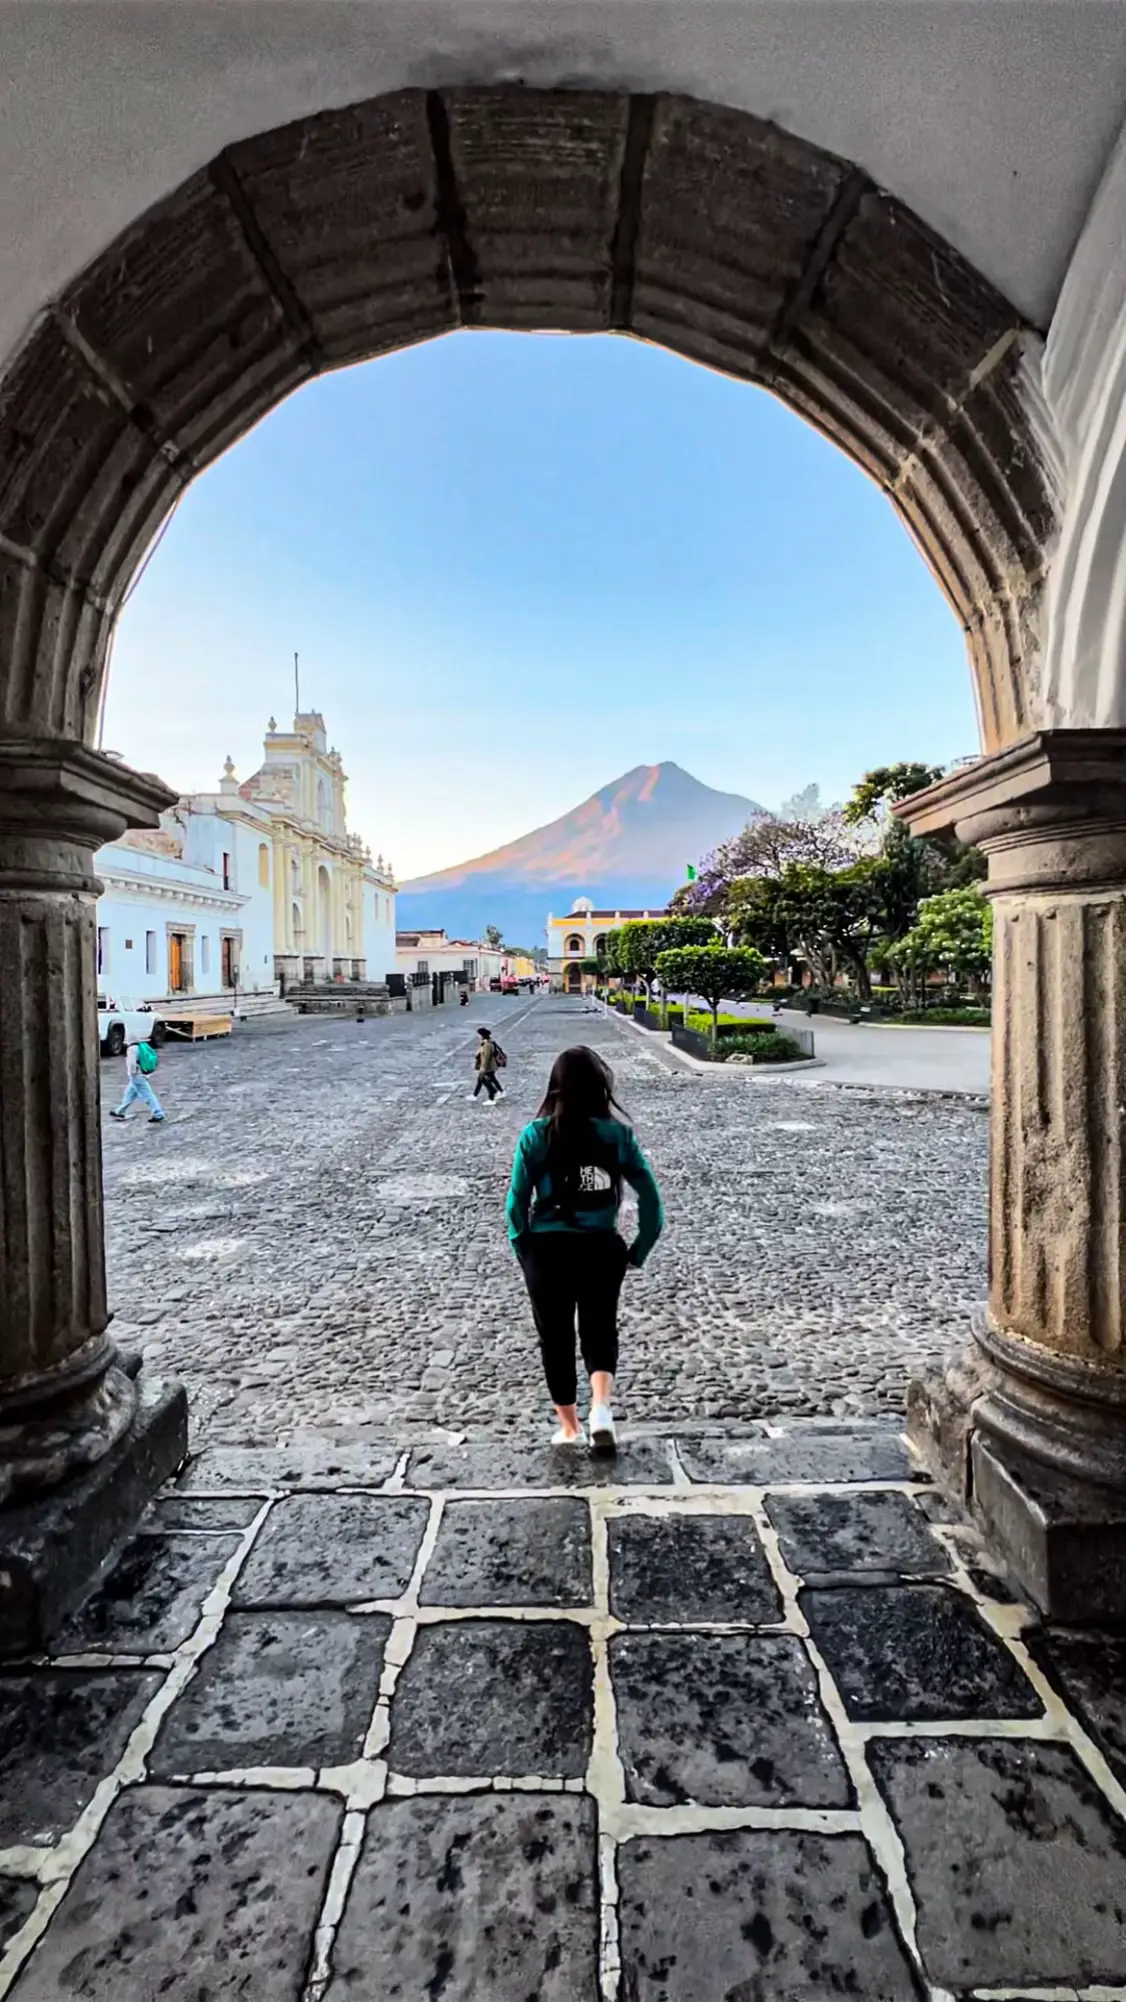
[
  {"x": 562, "y": 1214},
  {"x": 487, "y": 1062}
]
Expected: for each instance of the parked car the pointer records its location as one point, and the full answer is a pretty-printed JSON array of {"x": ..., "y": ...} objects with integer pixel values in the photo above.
[
  {"x": 121, "y": 1022},
  {"x": 509, "y": 986}
]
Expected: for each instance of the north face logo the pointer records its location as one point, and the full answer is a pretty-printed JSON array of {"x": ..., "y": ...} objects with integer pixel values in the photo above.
[{"x": 594, "y": 1181}]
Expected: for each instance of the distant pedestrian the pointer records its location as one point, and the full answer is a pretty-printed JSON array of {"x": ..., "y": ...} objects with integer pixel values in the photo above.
[
  {"x": 140, "y": 1061},
  {"x": 562, "y": 1216},
  {"x": 490, "y": 1058}
]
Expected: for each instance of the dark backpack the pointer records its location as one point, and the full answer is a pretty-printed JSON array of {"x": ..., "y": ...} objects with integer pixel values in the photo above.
[{"x": 502, "y": 1060}]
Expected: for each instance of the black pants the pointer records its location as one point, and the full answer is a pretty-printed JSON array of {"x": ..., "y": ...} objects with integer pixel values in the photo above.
[
  {"x": 567, "y": 1271},
  {"x": 490, "y": 1083}
]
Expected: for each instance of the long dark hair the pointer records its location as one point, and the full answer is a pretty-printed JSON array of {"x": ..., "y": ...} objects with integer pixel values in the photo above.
[{"x": 579, "y": 1091}]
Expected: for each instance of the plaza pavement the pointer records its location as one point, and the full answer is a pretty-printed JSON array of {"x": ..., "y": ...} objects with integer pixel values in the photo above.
[
  {"x": 895, "y": 1059},
  {"x": 372, "y": 1713},
  {"x": 316, "y": 1236}
]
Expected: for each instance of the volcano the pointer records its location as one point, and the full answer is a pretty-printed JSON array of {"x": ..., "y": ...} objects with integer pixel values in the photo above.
[{"x": 626, "y": 847}]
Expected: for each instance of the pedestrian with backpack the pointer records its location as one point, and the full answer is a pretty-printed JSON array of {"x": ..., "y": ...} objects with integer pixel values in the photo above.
[
  {"x": 562, "y": 1213},
  {"x": 140, "y": 1062},
  {"x": 490, "y": 1059}
]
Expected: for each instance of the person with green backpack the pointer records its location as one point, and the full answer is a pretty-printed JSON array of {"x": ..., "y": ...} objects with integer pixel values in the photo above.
[{"x": 140, "y": 1061}]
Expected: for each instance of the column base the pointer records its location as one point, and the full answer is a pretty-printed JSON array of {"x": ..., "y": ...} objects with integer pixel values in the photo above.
[
  {"x": 1061, "y": 1533},
  {"x": 53, "y": 1548},
  {"x": 44, "y": 1445},
  {"x": 1064, "y": 1540}
]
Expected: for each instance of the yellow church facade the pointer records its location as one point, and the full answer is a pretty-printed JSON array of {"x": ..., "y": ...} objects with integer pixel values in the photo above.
[{"x": 333, "y": 905}]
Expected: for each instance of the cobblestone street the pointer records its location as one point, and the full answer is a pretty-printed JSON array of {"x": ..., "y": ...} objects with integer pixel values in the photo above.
[
  {"x": 315, "y": 1237},
  {"x": 368, "y": 1711}
]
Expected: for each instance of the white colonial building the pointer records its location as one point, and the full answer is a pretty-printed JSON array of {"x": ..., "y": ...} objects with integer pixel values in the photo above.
[
  {"x": 248, "y": 889},
  {"x": 418, "y": 952}
]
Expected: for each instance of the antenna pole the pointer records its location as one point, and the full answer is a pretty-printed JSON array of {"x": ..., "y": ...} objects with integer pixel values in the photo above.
[{"x": 296, "y": 689}]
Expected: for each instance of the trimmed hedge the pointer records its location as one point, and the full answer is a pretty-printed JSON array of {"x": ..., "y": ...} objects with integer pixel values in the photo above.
[
  {"x": 701, "y": 1022},
  {"x": 938, "y": 1018},
  {"x": 769, "y": 1049},
  {"x": 729, "y": 1025}
]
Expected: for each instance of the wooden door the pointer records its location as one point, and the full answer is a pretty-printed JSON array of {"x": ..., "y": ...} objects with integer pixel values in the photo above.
[{"x": 175, "y": 962}]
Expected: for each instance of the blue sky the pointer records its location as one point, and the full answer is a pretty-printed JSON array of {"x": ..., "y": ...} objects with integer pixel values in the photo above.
[{"x": 515, "y": 566}]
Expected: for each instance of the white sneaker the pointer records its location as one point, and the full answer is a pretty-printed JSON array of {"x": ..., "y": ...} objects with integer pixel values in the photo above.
[
  {"x": 603, "y": 1438},
  {"x": 562, "y": 1438}
]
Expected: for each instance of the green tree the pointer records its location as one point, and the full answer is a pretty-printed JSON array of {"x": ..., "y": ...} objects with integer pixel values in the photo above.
[
  {"x": 609, "y": 955},
  {"x": 494, "y": 937},
  {"x": 917, "y": 866},
  {"x": 886, "y": 786},
  {"x": 756, "y": 916},
  {"x": 833, "y": 918},
  {"x": 715, "y": 972},
  {"x": 954, "y": 933},
  {"x": 639, "y": 943}
]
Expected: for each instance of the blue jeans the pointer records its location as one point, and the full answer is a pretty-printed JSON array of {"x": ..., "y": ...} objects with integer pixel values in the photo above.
[{"x": 139, "y": 1087}]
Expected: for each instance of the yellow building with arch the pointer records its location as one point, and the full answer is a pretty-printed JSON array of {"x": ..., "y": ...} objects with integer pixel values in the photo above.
[{"x": 580, "y": 936}]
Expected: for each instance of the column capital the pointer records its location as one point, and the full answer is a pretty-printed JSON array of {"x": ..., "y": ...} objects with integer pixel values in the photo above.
[
  {"x": 59, "y": 801},
  {"x": 72, "y": 792},
  {"x": 1049, "y": 811}
]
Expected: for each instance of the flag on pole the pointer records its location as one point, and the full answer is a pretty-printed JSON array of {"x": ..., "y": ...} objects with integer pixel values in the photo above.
[{"x": 691, "y": 873}]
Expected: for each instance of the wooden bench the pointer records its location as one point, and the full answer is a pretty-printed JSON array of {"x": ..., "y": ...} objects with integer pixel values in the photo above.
[{"x": 197, "y": 1028}]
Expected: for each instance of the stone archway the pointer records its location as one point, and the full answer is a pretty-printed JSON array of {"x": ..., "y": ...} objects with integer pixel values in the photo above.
[
  {"x": 357, "y": 231},
  {"x": 342, "y": 237}
]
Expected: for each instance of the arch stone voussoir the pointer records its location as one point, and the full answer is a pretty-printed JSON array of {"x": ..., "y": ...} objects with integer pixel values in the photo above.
[
  {"x": 53, "y": 640},
  {"x": 181, "y": 312},
  {"x": 367, "y": 228},
  {"x": 81, "y": 485},
  {"x": 538, "y": 178},
  {"x": 899, "y": 317},
  {"x": 347, "y": 205},
  {"x": 731, "y": 212}
]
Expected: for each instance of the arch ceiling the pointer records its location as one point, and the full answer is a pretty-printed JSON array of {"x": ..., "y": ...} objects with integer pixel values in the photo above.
[
  {"x": 360, "y": 230},
  {"x": 991, "y": 119}
]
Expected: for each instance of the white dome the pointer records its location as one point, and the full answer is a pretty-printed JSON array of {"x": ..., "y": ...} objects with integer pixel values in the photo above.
[{"x": 581, "y": 907}]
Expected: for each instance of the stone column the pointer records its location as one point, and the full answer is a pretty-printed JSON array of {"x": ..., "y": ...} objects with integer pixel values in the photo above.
[
  {"x": 65, "y": 1401},
  {"x": 1031, "y": 1427}
]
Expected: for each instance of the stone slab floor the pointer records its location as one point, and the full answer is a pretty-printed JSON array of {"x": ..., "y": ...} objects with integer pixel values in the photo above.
[
  {"x": 731, "y": 1718},
  {"x": 315, "y": 1236},
  {"x": 376, "y": 1711}
]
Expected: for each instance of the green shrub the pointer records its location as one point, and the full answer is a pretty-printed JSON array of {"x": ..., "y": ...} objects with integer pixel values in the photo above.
[
  {"x": 769, "y": 1049},
  {"x": 938, "y": 1018},
  {"x": 729, "y": 1025}
]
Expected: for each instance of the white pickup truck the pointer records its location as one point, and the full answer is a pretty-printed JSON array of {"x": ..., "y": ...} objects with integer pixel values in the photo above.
[{"x": 121, "y": 1022}]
